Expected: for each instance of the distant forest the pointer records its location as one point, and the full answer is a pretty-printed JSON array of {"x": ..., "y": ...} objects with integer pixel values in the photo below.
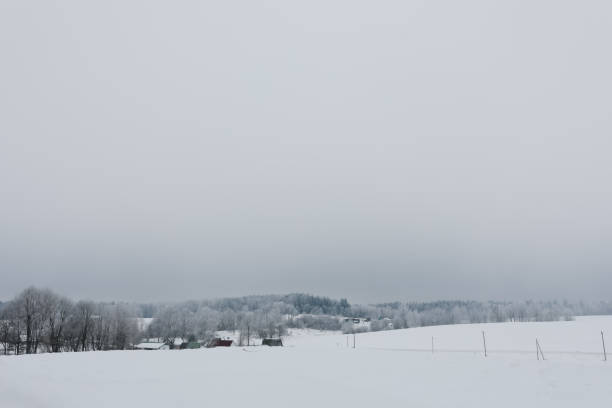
[{"x": 39, "y": 320}]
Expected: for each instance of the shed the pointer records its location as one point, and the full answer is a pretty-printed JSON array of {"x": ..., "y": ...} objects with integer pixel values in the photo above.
[{"x": 272, "y": 342}]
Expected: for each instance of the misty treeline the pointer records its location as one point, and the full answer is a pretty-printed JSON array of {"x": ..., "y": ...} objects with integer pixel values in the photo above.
[
  {"x": 415, "y": 314},
  {"x": 271, "y": 315},
  {"x": 250, "y": 316},
  {"x": 38, "y": 320}
]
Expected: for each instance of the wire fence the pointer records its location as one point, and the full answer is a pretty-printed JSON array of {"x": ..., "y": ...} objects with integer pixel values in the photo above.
[{"x": 486, "y": 352}]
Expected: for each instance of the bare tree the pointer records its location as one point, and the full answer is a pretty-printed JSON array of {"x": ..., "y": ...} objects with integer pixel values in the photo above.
[
  {"x": 29, "y": 308},
  {"x": 124, "y": 328},
  {"x": 58, "y": 319},
  {"x": 83, "y": 318}
]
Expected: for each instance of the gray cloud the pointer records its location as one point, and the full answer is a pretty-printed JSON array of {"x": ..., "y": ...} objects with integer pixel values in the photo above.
[{"x": 388, "y": 150}]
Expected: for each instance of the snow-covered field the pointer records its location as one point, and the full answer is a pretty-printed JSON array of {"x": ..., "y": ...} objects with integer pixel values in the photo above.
[
  {"x": 392, "y": 368},
  {"x": 582, "y": 336}
]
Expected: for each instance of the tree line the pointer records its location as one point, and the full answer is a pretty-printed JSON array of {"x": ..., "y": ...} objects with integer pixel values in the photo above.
[
  {"x": 251, "y": 317},
  {"x": 414, "y": 314},
  {"x": 38, "y": 320}
]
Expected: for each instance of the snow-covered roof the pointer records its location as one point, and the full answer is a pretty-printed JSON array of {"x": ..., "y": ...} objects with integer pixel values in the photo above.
[{"x": 149, "y": 345}]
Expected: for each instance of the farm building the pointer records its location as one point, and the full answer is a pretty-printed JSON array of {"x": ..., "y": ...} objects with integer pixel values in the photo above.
[
  {"x": 218, "y": 342},
  {"x": 272, "y": 342},
  {"x": 355, "y": 323}
]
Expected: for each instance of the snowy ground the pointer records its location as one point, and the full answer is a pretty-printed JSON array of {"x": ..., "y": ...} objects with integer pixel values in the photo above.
[
  {"x": 394, "y": 369},
  {"x": 572, "y": 338}
]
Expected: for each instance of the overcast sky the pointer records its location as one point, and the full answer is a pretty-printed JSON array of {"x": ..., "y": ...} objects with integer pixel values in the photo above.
[{"x": 375, "y": 150}]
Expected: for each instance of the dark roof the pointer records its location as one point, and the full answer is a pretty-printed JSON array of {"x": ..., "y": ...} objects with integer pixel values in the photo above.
[{"x": 271, "y": 342}]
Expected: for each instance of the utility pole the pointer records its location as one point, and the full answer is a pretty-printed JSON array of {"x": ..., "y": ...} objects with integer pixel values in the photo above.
[{"x": 603, "y": 343}]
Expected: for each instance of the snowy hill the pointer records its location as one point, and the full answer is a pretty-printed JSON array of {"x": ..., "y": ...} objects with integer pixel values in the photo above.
[
  {"x": 391, "y": 368},
  {"x": 581, "y": 336}
]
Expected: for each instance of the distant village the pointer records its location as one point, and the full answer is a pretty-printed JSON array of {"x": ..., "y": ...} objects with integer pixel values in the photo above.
[{"x": 349, "y": 324}]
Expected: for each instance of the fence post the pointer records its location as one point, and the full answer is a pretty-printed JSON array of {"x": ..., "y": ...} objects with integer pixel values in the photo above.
[
  {"x": 603, "y": 343},
  {"x": 537, "y": 350},
  {"x": 432, "y": 347},
  {"x": 353, "y": 340},
  {"x": 484, "y": 343}
]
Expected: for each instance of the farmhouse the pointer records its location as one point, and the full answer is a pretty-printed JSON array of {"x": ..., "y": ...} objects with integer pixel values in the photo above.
[{"x": 356, "y": 323}]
